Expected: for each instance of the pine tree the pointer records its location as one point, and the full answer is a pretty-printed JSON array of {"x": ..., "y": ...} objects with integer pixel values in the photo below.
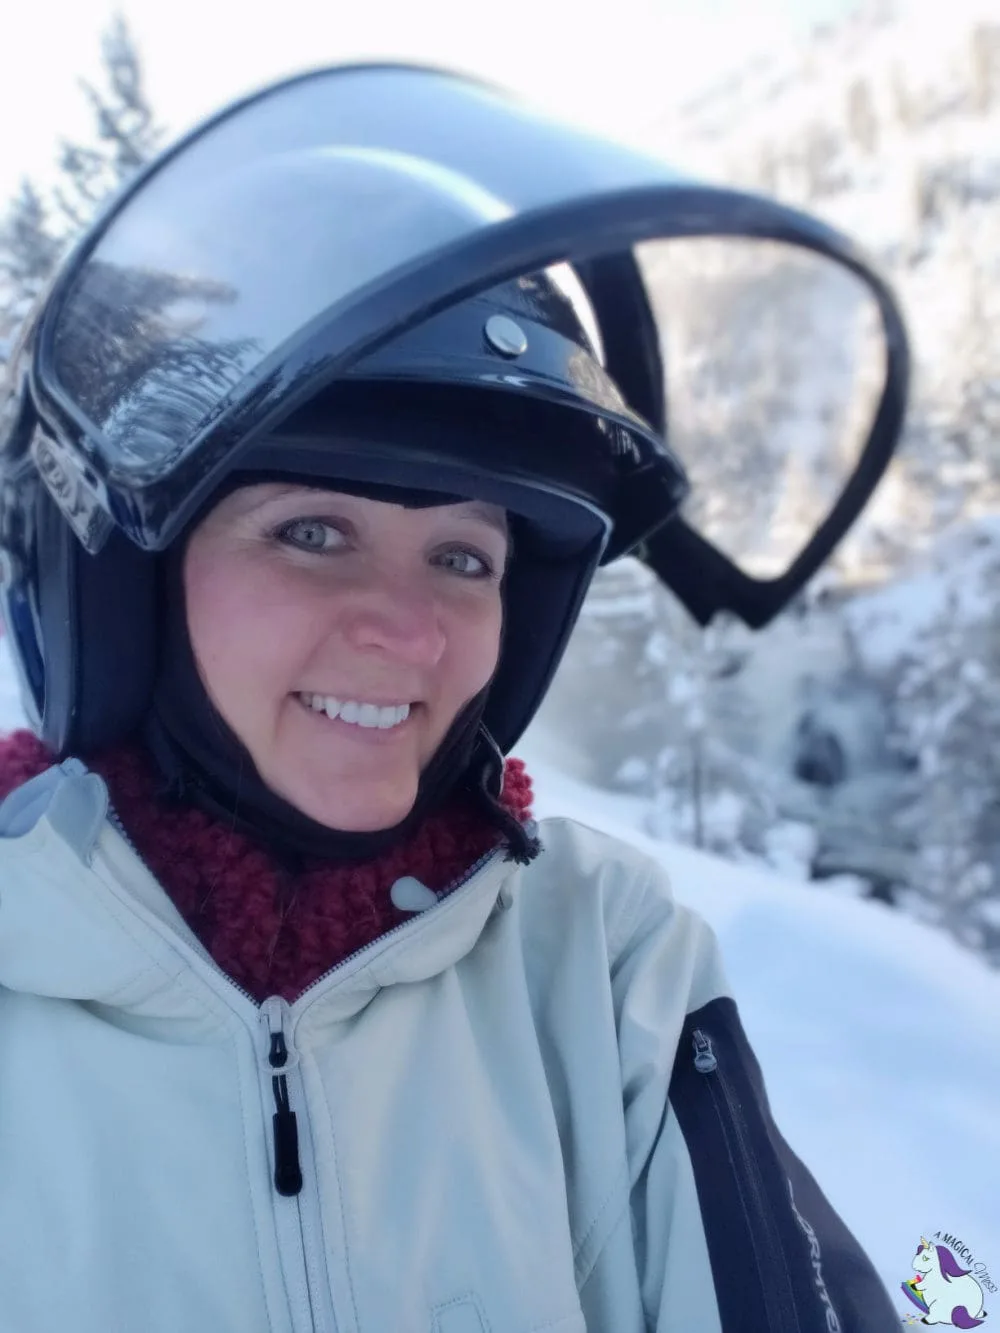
[
  {"x": 984, "y": 52},
  {"x": 144, "y": 331},
  {"x": 607, "y": 698},
  {"x": 862, "y": 122},
  {"x": 126, "y": 133},
  {"x": 948, "y": 710},
  {"x": 29, "y": 251},
  {"x": 35, "y": 230}
]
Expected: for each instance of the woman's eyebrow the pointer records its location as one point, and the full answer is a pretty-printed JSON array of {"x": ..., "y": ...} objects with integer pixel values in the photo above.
[
  {"x": 487, "y": 513},
  {"x": 479, "y": 510},
  {"x": 250, "y": 504}
]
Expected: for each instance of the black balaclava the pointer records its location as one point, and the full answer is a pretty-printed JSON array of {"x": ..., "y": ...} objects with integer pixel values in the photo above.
[{"x": 203, "y": 762}]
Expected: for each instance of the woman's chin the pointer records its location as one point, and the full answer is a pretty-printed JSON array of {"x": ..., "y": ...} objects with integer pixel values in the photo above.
[{"x": 355, "y": 809}]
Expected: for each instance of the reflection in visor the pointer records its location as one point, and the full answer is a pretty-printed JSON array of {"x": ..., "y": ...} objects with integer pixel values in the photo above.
[
  {"x": 282, "y": 208},
  {"x": 147, "y": 354}
]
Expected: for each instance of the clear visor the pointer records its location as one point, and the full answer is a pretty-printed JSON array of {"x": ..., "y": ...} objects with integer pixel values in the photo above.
[
  {"x": 327, "y": 218},
  {"x": 289, "y": 209}
]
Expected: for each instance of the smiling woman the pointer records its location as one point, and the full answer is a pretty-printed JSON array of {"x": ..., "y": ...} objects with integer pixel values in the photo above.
[
  {"x": 307, "y": 462},
  {"x": 371, "y": 608}
]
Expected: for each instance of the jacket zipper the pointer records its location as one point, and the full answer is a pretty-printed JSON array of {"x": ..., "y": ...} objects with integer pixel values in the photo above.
[
  {"x": 281, "y": 1062},
  {"x": 300, "y": 1229},
  {"x": 114, "y": 819},
  {"x": 273, "y": 1012},
  {"x": 287, "y": 1168},
  {"x": 776, "y": 1294}
]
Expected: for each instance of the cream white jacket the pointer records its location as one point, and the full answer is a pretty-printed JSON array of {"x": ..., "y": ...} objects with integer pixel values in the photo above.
[{"x": 531, "y": 1108}]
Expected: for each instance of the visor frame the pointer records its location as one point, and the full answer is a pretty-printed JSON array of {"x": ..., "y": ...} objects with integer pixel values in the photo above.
[{"x": 353, "y": 329}]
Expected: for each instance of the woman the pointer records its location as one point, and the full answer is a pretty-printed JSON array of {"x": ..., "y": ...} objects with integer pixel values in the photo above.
[{"x": 304, "y": 1023}]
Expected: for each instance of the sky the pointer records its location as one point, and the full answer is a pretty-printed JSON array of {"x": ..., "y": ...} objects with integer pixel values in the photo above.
[{"x": 611, "y": 67}]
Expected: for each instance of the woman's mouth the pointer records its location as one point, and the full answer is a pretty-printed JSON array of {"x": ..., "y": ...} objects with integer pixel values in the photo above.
[{"x": 356, "y": 713}]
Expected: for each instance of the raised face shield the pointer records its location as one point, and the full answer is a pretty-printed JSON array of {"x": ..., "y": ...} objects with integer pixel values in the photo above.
[{"x": 305, "y": 236}]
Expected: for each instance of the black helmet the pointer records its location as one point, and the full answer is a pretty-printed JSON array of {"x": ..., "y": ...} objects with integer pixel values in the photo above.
[{"x": 339, "y": 254}]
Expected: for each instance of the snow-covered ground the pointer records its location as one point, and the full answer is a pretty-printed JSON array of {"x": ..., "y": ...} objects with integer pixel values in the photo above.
[{"x": 878, "y": 1036}]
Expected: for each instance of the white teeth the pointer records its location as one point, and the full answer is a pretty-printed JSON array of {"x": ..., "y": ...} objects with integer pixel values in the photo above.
[{"x": 361, "y": 715}]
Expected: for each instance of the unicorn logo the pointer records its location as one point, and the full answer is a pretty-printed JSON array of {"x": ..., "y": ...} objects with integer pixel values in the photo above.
[{"x": 942, "y": 1291}]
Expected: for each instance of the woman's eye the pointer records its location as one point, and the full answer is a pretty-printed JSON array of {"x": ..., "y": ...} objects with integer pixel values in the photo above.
[
  {"x": 310, "y": 534},
  {"x": 467, "y": 563}
]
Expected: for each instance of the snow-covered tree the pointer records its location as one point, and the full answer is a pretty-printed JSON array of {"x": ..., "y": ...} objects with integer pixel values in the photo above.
[
  {"x": 862, "y": 122},
  {"x": 125, "y": 133},
  {"x": 984, "y": 52},
  {"x": 29, "y": 252},
  {"x": 37, "y": 227},
  {"x": 948, "y": 710},
  {"x": 706, "y": 790},
  {"x": 608, "y": 699}
]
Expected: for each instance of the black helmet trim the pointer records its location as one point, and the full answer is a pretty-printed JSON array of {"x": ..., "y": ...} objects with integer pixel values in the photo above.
[
  {"x": 317, "y": 356},
  {"x": 564, "y": 524},
  {"x": 274, "y": 324}
]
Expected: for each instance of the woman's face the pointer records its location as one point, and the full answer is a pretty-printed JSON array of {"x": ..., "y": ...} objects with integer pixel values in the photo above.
[{"x": 339, "y": 637}]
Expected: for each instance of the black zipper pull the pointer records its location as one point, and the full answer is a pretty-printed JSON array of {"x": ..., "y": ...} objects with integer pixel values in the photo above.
[
  {"x": 287, "y": 1170},
  {"x": 704, "y": 1057}
]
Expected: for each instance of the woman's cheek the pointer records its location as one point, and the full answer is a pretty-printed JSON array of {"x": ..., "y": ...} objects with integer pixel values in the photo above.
[
  {"x": 233, "y": 610},
  {"x": 480, "y": 630}
]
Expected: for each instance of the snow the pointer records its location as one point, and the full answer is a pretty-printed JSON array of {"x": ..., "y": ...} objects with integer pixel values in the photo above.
[
  {"x": 877, "y": 1036},
  {"x": 955, "y": 577}
]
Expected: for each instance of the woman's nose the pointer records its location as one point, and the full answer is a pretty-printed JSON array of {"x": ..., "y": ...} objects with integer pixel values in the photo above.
[{"x": 397, "y": 617}]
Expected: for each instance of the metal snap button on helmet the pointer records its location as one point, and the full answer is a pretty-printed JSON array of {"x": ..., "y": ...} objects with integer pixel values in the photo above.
[{"x": 505, "y": 336}]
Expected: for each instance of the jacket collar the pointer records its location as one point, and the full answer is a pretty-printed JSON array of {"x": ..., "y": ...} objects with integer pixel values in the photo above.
[{"x": 82, "y": 918}]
